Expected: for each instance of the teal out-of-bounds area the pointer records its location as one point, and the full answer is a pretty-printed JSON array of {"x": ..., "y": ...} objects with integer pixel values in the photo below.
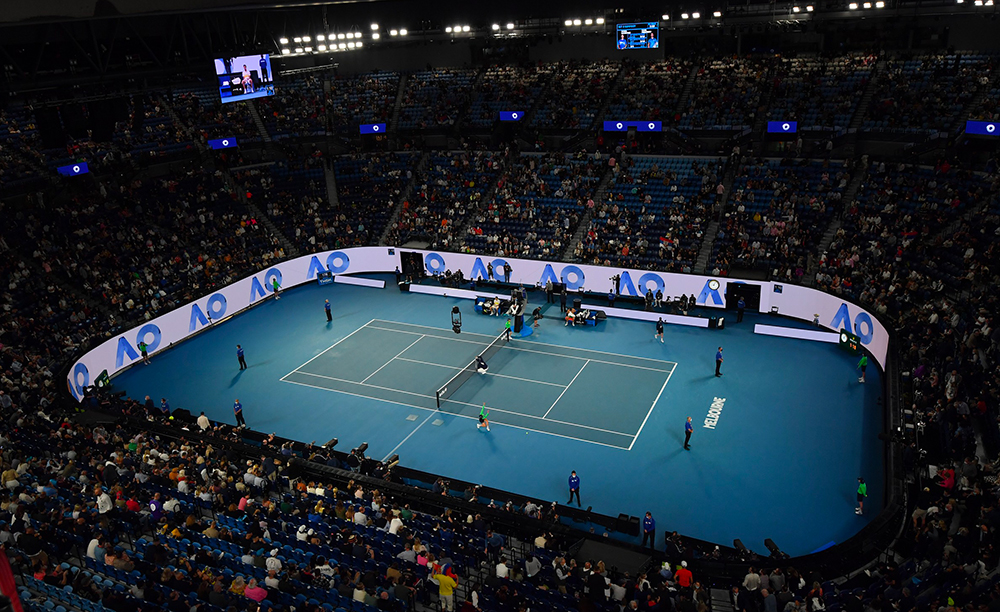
[{"x": 779, "y": 440}]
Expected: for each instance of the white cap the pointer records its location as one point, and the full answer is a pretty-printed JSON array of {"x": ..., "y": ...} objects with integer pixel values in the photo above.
[{"x": 684, "y": 563}]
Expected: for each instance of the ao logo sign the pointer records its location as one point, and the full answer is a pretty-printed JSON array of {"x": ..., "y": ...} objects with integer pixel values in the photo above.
[
  {"x": 572, "y": 275},
  {"x": 80, "y": 379},
  {"x": 337, "y": 262},
  {"x": 216, "y": 309},
  {"x": 862, "y": 324},
  {"x": 148, "y": 333}
]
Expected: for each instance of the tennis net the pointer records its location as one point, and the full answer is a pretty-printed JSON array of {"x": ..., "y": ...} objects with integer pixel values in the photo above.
[{"x": 462, "y": 377}]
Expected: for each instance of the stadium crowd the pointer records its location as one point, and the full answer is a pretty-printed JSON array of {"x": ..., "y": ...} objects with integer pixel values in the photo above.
[{"x": 117, "y": 516}]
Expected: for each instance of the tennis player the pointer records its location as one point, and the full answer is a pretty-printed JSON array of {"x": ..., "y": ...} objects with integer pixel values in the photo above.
[
  {"x": 481, "y": 366},
  {"x": 484, "y": 420},
  {"x": 506, "y": 330}
]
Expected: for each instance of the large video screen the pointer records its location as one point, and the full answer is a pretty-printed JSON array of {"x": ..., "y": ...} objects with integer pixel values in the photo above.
[
  {"x": 245, "y": 77},
  {"x": 639, "y": 35}
]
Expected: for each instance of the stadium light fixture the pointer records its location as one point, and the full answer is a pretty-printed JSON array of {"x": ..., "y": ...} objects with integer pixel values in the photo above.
[
  {"x": 880, "y": 4},
  {"x": 342, "y": 45},
  {"x": 448, "y": 29},
  {"x": 853, "y": 6},
  {"x": 393, "y": 32},
  {"x": 298, "y": 49},
  {"x": 577, "y": 22},
  {"x": 600, "y": 20},
  {"x": 568, "y": 22},
  {"x": 286, "y": 51},
  {"x": 695, "y": 15},
  {"x": 978, "y": 2},
  {"x": 588, "y": 22},
  {"x": 374, "y": 27},
  {"x": 350, "y": 45},
  {"x": 341, "y": 37},
  {"x": 309, "y": 49},
  {"x": 959, "y": 1},
  {"x": 375, "y": 36},
  {"x": 684, "y": 15},
  {"x": 283, "y": 40},
  {"x": 717, "y": 14},
  {"x": 321, "y": 48},
  {"x": 306, "y": 39},
  {"x": 989, "y": 2},
  {"x": 466, "y": 28},
  {"x": 495, "y": 27},
  {"x": 867, "y": 5},
  {"x": 357, "y": 45},
  {"x": 809, "y": 8},
  {"x": 403, "y": 32},
  {"x": 321, "y": 37},
  {"x": 795, "y": 9},
  {"x": 510, "y": 26},
  {"x": 298, "y": 39}
]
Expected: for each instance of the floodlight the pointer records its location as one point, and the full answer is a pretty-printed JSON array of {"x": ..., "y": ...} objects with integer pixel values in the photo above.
[{"x": 283, "y": 40}]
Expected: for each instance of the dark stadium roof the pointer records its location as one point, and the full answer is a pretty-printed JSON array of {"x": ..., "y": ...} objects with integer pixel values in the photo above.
[{"x": 77, "y": 9}]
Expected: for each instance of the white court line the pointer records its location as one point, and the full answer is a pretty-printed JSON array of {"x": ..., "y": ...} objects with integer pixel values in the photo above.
[
  {"x": 521, "y": 414},
  {"x": 531, "y": 341},
  {"x": 526, "y": 350},
  {"x": 429, "y": 416},
  {"x": 566, "y": 389},
  {"x": 391, "y": 360},
  {"x": 460, "y": 416},
  {"x": 329, "y": 347},
  {"x": 651, "y": 409},
  {"x": 540, "y": 382}
]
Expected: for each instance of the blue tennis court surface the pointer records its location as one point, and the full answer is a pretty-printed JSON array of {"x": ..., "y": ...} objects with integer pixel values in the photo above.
[
  {"x": 535, "y": 386},
  {"x": 792, "y": 428}
]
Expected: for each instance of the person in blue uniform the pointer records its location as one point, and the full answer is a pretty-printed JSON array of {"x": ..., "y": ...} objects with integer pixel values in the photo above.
[
  {"x": 688, "y": 430},
  {"x": 718, "y": 362},
  {"x": 329, "y": 311},
  {"x": 574, "y": 488},
  {"x": 238, "y": 412},
  {"x": 239, "y": 355},
  {"x": 649, "y": 530}
]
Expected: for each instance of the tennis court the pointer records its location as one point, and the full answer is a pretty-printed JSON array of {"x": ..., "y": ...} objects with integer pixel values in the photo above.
[{"x": 587, "y": 395}]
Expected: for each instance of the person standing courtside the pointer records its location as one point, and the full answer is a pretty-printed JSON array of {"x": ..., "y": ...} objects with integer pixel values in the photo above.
[
  {"x": 548, "y": 292},
  {"x": 574, "y": 488},
  {"x": 506, "y": 271},
  {"x": 489, "y": 271},
  {"x": 143, "y": 348},
  {"x": 718, "y": 362},
  {"x": 329, "y": 311},
  {"x": 239, "y": 355},
  {"x": 562, "y": 300},
  {"x": 688, "y": 429},
  {"x": 238, "y": 412},
  {"x": 649, "y": 530},
  {"x": 740, "y": 307}
]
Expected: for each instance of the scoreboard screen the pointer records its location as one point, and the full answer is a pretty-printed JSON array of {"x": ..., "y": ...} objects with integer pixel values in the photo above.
[
  {"x": 849, "y": 342},
  {"x": 639, "y": 35}
]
